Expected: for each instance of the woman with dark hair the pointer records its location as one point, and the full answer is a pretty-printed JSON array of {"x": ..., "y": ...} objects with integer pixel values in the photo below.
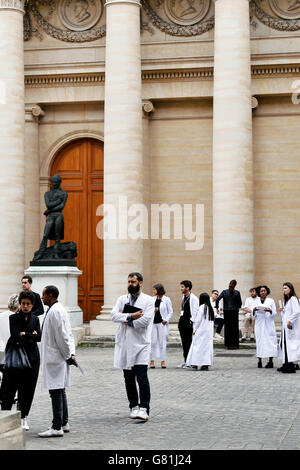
[
  {"x": 201, "y": 350},
  {"x": 24, "y": 330},
  {"x": 289, "y": 345},
  {"x": 160, "y": 330},
  {"x": 232, "y": 303},
  {"x": 265, "y": 331}
]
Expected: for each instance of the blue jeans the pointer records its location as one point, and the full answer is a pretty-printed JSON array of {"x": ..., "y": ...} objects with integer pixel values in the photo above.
[
  {"x": 59, "y": 408},
  {"x": 139, "y": 374}
]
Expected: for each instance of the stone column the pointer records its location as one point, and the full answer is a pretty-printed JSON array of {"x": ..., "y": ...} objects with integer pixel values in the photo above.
[
  {"x": 11, "y": 147},
  {"x": 123, "y": 142},
  {"x": 33, "y": 112},
  {"x": 232, "y": 148}
]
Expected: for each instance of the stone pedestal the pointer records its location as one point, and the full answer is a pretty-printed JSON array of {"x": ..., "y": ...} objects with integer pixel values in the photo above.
[
  {"x": 65, "y": 278},
  {"x": 12, "y": 436}
]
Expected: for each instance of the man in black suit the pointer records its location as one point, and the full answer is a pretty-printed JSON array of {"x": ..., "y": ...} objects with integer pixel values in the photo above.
[{"x": 38, "y": 308}]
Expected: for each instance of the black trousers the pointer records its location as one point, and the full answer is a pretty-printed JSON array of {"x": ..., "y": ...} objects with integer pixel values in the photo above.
[
  {"x": 139, "y": 374},
  {"x": 23, "y": 382},
  {"x": 59, "y": 408},
  {"x": 231, "y": 328},
  {"x": 186, "y": 334},
  {"x": 219, "y": 322}
]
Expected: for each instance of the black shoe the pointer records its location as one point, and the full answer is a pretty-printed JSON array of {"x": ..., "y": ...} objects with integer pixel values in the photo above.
[
  {"x": 296, "y": 366},
  {"x": 204, "y": 368},
  {"x": 280, "y": 369},
  {"x": 259, "y": 365},
  {"x": 269, "y": 365}
]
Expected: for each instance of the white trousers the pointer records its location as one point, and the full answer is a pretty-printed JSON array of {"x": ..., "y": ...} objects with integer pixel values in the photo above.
[{"x": 159, "y": 341}]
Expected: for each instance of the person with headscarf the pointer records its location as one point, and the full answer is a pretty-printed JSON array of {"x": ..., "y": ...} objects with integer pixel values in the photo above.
[
  {"x": 201, "y": 350},
  {"x": 265, "y": 330},
  {"x": 289, "y": 345},
  {"x": 232, "y": 303}
]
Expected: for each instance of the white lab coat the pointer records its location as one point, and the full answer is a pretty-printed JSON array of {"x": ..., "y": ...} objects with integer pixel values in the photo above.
[
  {"x": 194, "y": 305},
  {"x": 4, "y": 328},
  {"x": 265, "y": 330},
  {"x": 57, "y": 345},
  {"x": 133, "y": 343},
  {"x": 291, "y": 313},
  {"x": 160, "y": 332},
  {"x": 201, "y": 350}
]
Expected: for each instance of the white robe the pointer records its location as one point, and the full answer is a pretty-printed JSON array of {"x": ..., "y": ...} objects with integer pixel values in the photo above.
[
  {"x": 160, "y": 332},
  {"x": 201, "y": 350},
  {"x": 57, "y": 345},
  {"x": 4, "y": 328},
  {"x": 133, "y": 343},
  {"x": 291, "y": 313},
  {"x": 265, "y": 330}
]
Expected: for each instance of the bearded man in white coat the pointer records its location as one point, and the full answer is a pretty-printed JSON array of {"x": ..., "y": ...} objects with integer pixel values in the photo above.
[
  {"x": 57, "y": 354},
  {"x": 134, "y": 313}
]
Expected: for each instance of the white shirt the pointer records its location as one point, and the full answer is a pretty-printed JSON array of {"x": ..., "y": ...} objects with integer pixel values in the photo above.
[{"x": 250, "y": 303}]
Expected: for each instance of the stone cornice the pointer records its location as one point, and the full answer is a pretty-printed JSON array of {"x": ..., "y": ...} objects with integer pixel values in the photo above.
[
  {"x": 12, "y": 5},
  {"x": 166, "y": 75}
]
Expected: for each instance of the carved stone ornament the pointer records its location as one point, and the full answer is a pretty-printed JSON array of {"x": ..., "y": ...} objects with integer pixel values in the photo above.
[
  {"x": 80, "y": 15},
  {"x": 77, "y": 15},
  {"x": 187, "y": 17},
  {"x": 12, "y": 4},
  {"x": 287, "y": 11}
]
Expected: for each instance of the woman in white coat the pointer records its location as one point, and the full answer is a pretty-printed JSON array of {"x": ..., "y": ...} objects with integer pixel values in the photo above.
[
  {"x": 201, "y": 350},
  {"x": 265, "y": 331},
  {"x": 289, "y": 345},
  {"x": 160, "y": 330}
]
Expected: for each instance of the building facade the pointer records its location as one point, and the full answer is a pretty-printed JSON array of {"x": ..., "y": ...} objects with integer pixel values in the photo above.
[{"x": 139, "y": 103}]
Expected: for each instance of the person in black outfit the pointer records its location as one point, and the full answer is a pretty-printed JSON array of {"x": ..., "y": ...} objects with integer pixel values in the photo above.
[
  {"x": 38, "y": 308},
  {"x": 25, "y": 330},
  {"x": 232, "y": 303},
  {"x": 189, "y": 307}
]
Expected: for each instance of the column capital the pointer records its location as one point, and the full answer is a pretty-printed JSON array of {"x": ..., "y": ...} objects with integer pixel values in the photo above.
[
  {"x": 124, "y": 2},
  {"x": 148, "y": 107},
  {"x": 12, "y": 5},
  {"x": 33, "y": 112}
]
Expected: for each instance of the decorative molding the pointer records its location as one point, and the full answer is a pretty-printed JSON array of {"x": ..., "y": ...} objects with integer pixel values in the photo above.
[
  {"x": 257, "y": 71},
  {"x": 176, "y": 29},
  {"x": 80, "y": 15},
  {"x": 64, "y": 80},
  {"x": 148, "y": 107},
  {"x": 273, "y": 22},
  {"x": 12, "y": 5},
  {"x": 61, "y": 34},
  {"x": 33, "y": 112}
]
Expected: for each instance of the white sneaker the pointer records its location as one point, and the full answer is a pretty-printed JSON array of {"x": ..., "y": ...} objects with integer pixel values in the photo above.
[
  {"x": 52, "y": 433},
  {"x": 134, "y": 412},
  {"x": 24, "y": 424},
  {"x": 181, "y": 366},
  {"x": 218, "y": 337},
  {"x": 142, "y": 414},
  {"x": 190, "y": 367},
  {"x": 66, "y": 428}
]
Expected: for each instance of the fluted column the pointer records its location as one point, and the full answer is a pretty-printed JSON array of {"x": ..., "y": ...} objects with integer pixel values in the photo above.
[
  {"x": 33, "y": 112},
  {"x": 232, "y": 147},
  {"x": 123, "y": 141},
  {"x": 11, "y": 147}
]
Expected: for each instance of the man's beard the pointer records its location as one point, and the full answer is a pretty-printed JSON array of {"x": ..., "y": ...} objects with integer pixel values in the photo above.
[{"x": 133, "y": 289}]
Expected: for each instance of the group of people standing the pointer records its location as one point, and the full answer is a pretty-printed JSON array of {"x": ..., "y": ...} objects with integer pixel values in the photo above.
[
  {"x": 143, "y": 331},
  {"x": 20, "y": 333}
]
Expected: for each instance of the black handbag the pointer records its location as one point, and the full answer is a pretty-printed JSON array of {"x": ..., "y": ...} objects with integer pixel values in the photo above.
[{"x": 16, "y": 358}]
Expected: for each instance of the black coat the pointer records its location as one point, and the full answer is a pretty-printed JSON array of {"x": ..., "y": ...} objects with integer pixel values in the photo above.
[
  {"x": 38, "y": 307},
  {"x": 231, "y": 300},
  {"x": 29, "y": 341}
]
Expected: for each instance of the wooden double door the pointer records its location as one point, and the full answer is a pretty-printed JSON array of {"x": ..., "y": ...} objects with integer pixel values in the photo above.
[{"x": 80, "y": 165}]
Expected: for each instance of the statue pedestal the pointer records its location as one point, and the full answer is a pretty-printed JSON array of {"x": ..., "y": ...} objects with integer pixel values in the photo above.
[{"x": 65, "y": 278}]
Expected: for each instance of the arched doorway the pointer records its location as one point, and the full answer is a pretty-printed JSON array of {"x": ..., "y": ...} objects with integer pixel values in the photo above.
[{"x": 80, "y": 165}]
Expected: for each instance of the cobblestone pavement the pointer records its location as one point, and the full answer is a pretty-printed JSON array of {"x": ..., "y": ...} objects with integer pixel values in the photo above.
[{"x": 235, "y": 405}]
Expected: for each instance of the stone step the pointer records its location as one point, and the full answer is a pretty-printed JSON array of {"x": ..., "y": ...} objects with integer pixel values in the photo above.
[{"x": 108, "y": 341}]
